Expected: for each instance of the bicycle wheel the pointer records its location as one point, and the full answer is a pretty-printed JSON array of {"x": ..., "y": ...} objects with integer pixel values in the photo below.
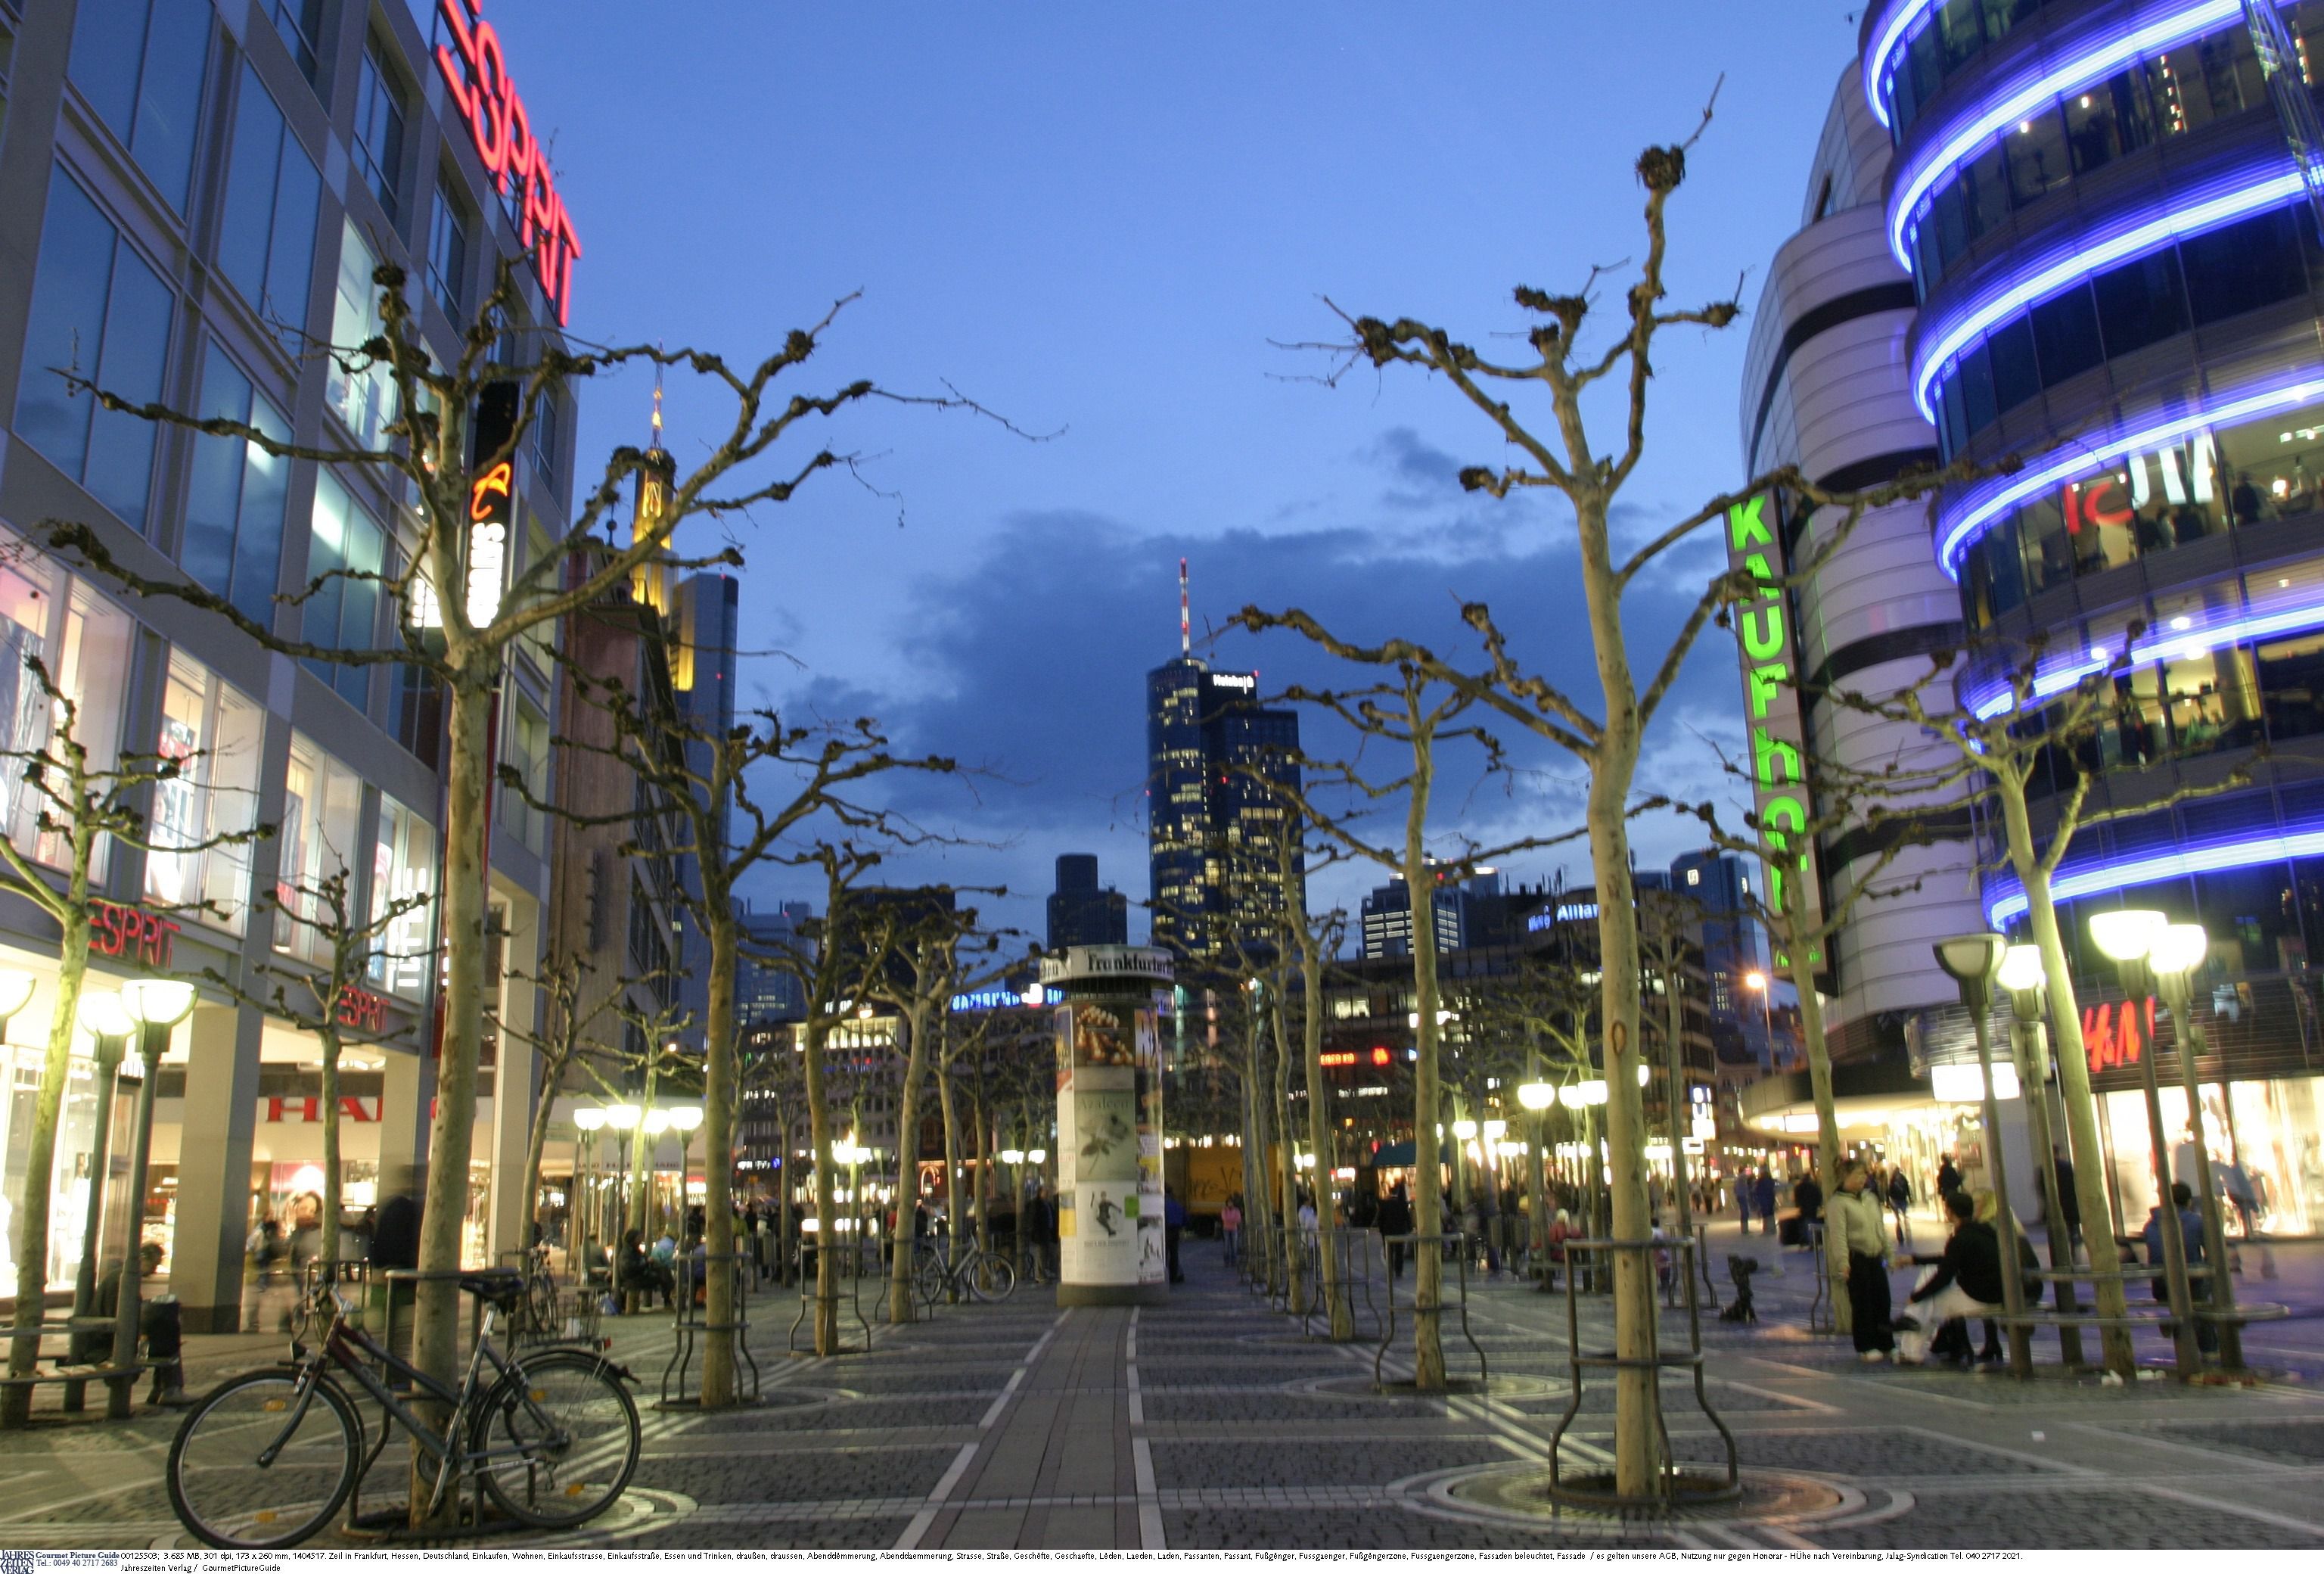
[
  {"x": 256, "y": 1465},
  {"x": 560, "y": 1433},
  {"x": 992, "y": 1278},
  {"x": 928, "y": 1277}
]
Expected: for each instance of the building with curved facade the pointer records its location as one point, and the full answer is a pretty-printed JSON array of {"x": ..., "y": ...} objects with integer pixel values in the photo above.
[
  {"x": 2117, "y": 268},
  {"x": 1824, "y": 390}
]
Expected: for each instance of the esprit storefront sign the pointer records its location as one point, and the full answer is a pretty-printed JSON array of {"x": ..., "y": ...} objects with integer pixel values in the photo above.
[
  {"x": 1770, "y": 651},
  {"x": 119, "y": 931},
  {"x": 475, "y": 73},
  {"x": 361, "y": 1010}
]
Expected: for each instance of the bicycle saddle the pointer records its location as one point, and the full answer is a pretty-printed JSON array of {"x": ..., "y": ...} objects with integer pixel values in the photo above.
[{"x": 504, "y": 1287}]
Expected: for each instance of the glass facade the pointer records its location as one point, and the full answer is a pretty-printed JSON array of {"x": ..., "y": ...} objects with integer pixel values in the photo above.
[
  {"x": 266, "y": 238},
  {"x": 140, "y": 65}
]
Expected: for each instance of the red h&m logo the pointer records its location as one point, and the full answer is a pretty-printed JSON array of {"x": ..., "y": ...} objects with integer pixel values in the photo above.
[{"x": 2110, "y": 1036}]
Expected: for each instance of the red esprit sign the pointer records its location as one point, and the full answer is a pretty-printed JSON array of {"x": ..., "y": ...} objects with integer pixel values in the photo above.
[
  {"x": 2110, "y": 1034},
  {"x": 117, "y": 931},
  {"x": 361, "y": 1010},
  {"x": 476, "y": 74},
  {"x": 277, "y": 1111}
]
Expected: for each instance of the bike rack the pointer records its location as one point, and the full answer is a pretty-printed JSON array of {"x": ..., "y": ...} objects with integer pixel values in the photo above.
[
  {"x": 1348, "y": 1250},
  {"x": 686, "y": 1328},
  {"x": 467, "y": 1512},
  {"x": 1459, "y": 1259},
  {"x": 809, "y": 1297},
  {"x": 1668, "y": 1483}
]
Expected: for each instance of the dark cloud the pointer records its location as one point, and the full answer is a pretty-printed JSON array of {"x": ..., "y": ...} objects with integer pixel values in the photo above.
[{"x": 1037, "y": 660}]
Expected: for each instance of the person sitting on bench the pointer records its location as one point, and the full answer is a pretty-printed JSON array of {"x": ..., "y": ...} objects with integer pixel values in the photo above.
[{"x": 1966, "y": 1281}]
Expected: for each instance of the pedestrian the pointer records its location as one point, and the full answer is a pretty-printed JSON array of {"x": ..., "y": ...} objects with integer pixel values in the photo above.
[
  {"x": 1560, "y": 1230},
  {"x": 261, "y": 1272},
  {"x": 1966, "y": 1282},
  {"x": 1807, "y": 1192},
  {"x": 1900, "y": 1205},
  {"x": 1763, "y": 1200},
  {"x": 2070, "y": 1203},
  {"x": 1174, "y": 1226},
  {"x": 1948, "y": 1178},
  {"x": 1396, "y": 1223},
  {"x": 1230, "y": 1227},
  {"x": 1489, "y": 1224},
  {"x": 1743, "y": 1198},
  {"x": 1864, "y": 1234},
  {"x": 2191, "y": 1239}
]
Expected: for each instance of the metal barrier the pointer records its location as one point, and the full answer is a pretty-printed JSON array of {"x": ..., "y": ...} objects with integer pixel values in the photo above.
[
  {"x": 1823, "y": 1311},
  {"x": 811, "y": 1297},
  {"x": 1452, "y": 1248},
  {"x": 1350, "y": 1254},
  {"x": 690, "y": 1323},
  {"x": 1669, "y": 1485}
]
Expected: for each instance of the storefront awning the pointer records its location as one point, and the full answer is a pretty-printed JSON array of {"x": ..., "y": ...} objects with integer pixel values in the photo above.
[{"x": 1393, "y": 1156}]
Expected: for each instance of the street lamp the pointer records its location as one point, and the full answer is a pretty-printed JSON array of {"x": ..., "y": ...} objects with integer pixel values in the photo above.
[
  {"x": 1973, "y": 961},
  {"x": 2023, "y": 979},
  {"x": 156, "y": 1005},
  {"x": 2175, "y": 956},
  {"x": 15, "y": 993},
  {"x": 685, "y": 1120},
  {"x": 2129, "y": 937}
]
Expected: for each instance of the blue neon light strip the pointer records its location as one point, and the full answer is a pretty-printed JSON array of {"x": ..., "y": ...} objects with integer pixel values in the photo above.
[
  {"x": 1886, "y": 39},
  {"x": 2157, "y": 27},
  {"x": 1981, "y": 506},
  {"x": 2249, "y": 190},
  {"x": 2091, "y": 879},
  {"x": 2168, "y": 644}
]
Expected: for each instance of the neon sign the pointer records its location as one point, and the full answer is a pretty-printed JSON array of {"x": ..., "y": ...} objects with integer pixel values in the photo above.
[
  {"x": 2110, "y": 1036},
  {"x": 1770, "y": 692},
  {"x": 475, "y": 73},
  {"x": 119, "y": 931},
  {"x": 361, "y": 1010}
]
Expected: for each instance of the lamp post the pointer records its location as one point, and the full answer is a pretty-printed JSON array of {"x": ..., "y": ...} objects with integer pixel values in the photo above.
[
  {"x": 1973, "y": 961},
  {"x": 623, "y": 1119},
  {"x": 1535, "y": 1098},
  {"x": 105, "y": 1017},
  {"x": 2127, "y": 937},
  {"x": 2182, "y": 948},
  {"x": 2022, "y": 980},
  {"x": 685, "y": 1120},
  {"x": 588, "y": 1120},
  {"x": 655, "y": 1124},
  {"x": 157, "y": 1005}
]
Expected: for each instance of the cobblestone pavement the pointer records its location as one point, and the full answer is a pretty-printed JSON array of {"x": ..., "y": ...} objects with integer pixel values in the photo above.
[{"x": 1212, "y": 1422}]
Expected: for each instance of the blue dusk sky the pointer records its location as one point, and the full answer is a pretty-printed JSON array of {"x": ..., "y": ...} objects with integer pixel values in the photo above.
[{"x": 1103, "y": 220}]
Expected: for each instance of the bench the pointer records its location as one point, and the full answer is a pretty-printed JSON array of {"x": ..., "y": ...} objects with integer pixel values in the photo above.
[{"x": 118, "y": 1379}]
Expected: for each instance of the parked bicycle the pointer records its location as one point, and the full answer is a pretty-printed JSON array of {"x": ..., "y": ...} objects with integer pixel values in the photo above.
[
  {"x": 978, "y": 1274},
  {"x": 266, "y": 1458}
]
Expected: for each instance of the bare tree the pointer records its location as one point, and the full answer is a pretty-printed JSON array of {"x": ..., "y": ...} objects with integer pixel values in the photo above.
[
  {"x": 327, "y": 1000},
  {"x": 2017, "y": 724},
  {"x": 937, "y": 955},
  {"x": 81, "y": 803}
]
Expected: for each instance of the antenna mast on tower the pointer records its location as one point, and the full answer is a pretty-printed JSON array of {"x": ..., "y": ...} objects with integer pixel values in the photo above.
[{"x": 1186, "y": 615}]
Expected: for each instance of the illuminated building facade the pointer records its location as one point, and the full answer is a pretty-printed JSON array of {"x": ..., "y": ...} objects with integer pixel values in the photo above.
[{"x": 2119, "y": 271}]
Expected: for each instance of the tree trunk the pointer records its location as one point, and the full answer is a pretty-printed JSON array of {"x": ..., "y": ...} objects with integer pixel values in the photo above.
[
  {"x": 1536, "y": 1182},
  {"x": 329, "y": 1032},
  {"x": 983, "y": 1170},
  {"x": 956, "y": 1216},
  {"x": 1256, "y": 1213},
  {"x": 1427, "y": 1098},
  {"x": 40, "y": 1150},
  {"x": 1294, "y": 1254},
  {"x": 1319, "y": 1130},
  {"x": 908, "y": 1153},
  {"x": 2067, "y": 1050},
  {"x": 644, "y": 1148},
  {"x": 720, "y": 1077},
  {"x": 826, "y": 1251},
  {"x": 1835, "y": 1251},
  {"x": 435, "y": 1323}
]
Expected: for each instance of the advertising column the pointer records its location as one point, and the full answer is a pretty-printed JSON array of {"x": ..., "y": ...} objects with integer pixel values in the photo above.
[{"x": 1110, "y": 1242}]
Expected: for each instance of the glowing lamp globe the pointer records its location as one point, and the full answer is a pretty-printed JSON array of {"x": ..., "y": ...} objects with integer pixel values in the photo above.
[
  {"x": 1536, "y": 1095},
  {"x": 2021, "y": 967},
  {"x": 2128, "y": 935},
  {"x": 2179, "y": 947}
]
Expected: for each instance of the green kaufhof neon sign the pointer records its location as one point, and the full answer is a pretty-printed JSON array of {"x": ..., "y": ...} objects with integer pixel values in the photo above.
[{"x": 1769, "y": 647}]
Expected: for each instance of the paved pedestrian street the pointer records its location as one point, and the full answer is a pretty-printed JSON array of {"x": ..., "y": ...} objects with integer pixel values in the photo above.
[{"x": 1216, "y": 1423}]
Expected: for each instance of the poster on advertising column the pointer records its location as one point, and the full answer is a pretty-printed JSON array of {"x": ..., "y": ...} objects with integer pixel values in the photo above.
[
  {"x": 1108, "y": 1105},
  {"x": 1152, "y": 1260}
]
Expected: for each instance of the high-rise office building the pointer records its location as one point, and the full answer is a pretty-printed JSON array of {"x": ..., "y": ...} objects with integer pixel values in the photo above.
[
  {"x": 1081, "y": 912},
  {"x": 1212, "y": 753},
  {"x": 765, "y": 992},
  {"x": 1387, "y": 918}
]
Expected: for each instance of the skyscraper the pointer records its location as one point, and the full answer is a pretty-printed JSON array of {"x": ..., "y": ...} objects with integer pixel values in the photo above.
[
  {"x": 1080, "y": 913},
  {"x": 1211, "y": 750}
]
